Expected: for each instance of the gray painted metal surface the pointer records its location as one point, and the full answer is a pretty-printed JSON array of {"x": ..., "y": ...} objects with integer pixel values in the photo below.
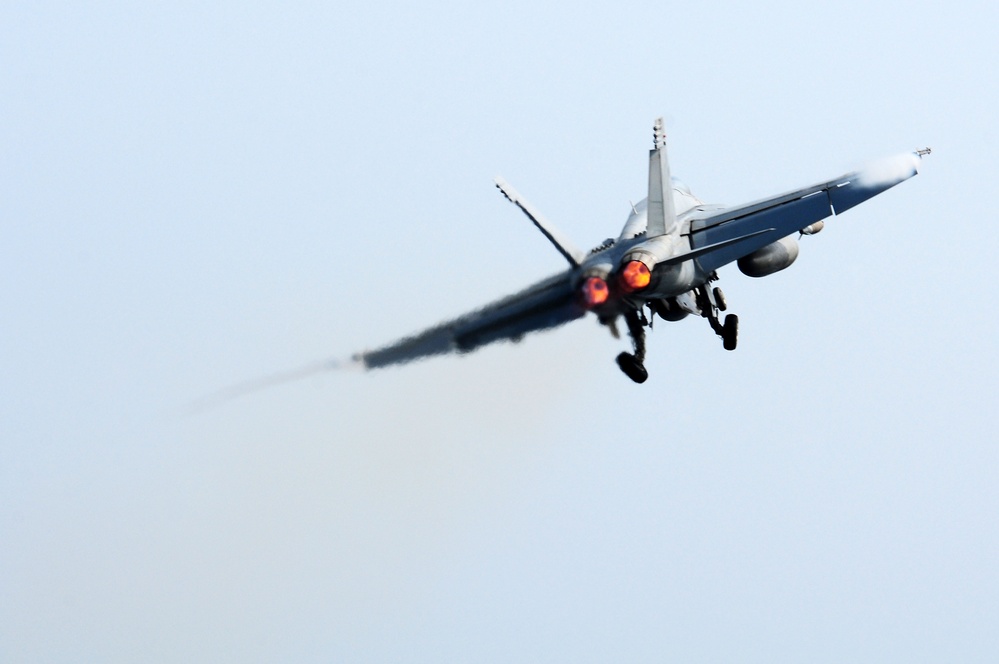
[{"x": 662, "y": 215}]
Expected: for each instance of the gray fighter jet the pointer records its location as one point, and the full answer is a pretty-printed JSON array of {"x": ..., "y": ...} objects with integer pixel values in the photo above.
[{"x": 664, "y": 263}]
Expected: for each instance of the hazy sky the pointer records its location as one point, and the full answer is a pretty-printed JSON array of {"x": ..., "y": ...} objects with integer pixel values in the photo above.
[{"x": 194, "y": 196}]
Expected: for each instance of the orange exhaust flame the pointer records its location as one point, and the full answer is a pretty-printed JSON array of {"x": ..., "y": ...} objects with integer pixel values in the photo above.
[
  {"x": 635, "y": 276},
  {"x": 595, "y": 292}
]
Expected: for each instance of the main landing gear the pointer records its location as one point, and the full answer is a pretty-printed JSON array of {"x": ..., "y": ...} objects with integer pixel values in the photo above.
[
  {"x": 633, "y": 364},
  {"x": 712, "y": 304},
  {"x": 707, "y": 300}
]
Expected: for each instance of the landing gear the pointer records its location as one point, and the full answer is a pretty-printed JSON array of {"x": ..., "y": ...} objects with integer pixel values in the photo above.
[
  {"x": 633, "y": 366},
  {"x": 730, "y": 332},
  {"x": 719, "y": 299},
  {"x": 705, "y": 301},
  {"x": 712, "y": 303}
]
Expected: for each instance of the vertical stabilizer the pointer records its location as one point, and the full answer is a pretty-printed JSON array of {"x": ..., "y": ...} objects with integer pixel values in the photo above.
[
  {"x": 561, "y": 242},
  {"x": 662, "y": 214}
]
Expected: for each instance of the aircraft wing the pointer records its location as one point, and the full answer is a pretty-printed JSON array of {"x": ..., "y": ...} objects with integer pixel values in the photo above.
[
  {"x": 547, "y": 304},
  {"x": 790, "y": 212}
]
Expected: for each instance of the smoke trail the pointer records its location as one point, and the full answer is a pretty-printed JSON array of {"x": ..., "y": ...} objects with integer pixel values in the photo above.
[{"x": 272, "y": 380}]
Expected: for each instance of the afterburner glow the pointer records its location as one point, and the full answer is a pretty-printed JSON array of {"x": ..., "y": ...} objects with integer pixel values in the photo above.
[
  {"x": 635, "y": 276},
  {"x": 595, "y": 292}
]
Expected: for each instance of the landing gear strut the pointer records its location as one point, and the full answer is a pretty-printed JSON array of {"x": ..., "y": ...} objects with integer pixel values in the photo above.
[
  {"x": 712, "y": 303},
  {"x": 705, "y": 300},
  {"x": 633, "y": 365}
]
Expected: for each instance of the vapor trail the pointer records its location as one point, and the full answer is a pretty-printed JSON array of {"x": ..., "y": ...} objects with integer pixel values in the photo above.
[
  {"x": 273, "y": 380},
  {"x": 890, "y": 170}
]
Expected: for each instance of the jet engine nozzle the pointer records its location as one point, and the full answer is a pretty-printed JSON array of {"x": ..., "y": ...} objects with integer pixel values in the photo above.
[
  {"x": 636, "y": 266},
  {"x": 594, "y": 291},
  {"x": 635, "y": 276}
]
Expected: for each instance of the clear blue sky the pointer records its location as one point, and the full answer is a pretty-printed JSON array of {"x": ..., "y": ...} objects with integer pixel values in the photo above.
[{"x": 194, "y": 196}]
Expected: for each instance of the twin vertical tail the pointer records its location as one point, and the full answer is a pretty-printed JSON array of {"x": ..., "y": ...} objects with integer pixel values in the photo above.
[
  {"x": 561, "y": 242},
  {"x": 661, "y": 212}
]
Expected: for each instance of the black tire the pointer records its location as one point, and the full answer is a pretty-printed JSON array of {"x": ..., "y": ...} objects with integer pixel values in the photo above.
[
  {"x": 730, "y": 332},
  {"x": 632, "y": 368},
  {"x": 720, "y": 300}
]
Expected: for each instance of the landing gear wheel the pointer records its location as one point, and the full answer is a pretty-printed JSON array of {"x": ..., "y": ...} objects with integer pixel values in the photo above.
[
  {"x": 730, "y": 332},
  {"x": 632, "y": 368},
  {"x": 720, "y": 300}
]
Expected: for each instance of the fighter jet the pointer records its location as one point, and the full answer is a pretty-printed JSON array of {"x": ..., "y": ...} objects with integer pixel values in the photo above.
[{"x": 664, "y": 262}]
